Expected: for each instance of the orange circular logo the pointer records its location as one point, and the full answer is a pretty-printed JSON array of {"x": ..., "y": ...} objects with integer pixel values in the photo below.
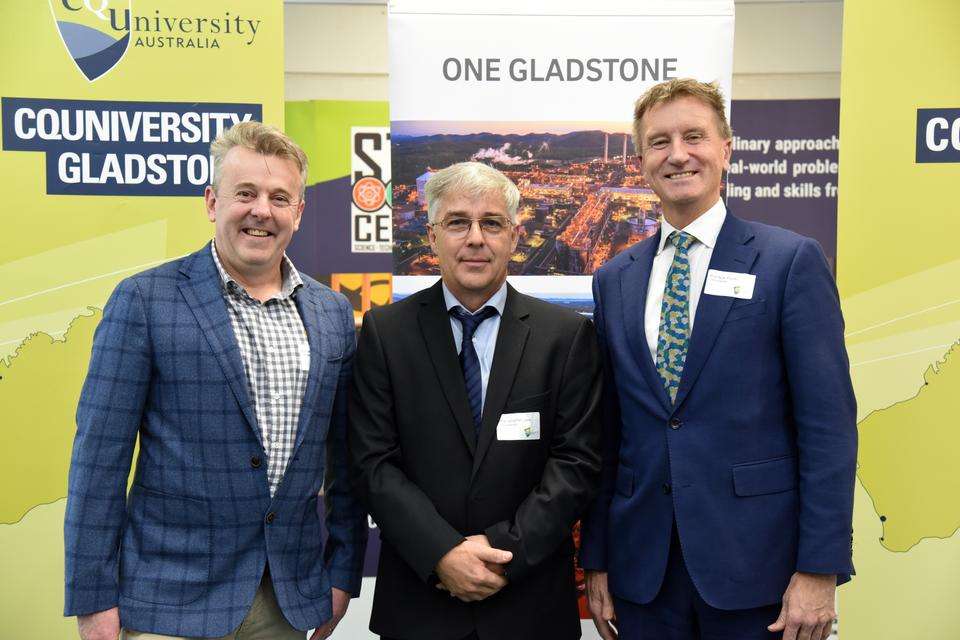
[{"x": 369, "y": 193}]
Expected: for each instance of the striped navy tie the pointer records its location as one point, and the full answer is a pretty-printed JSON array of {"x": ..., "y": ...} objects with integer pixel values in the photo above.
[{"x": 469, "y": 361}]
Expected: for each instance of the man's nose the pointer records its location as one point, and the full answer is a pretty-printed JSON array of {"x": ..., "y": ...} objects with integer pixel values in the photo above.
[
  {"x": 474, "y": 234},
  {"x": 678, "y": 152},
  {"x": 261, "y": 206}
]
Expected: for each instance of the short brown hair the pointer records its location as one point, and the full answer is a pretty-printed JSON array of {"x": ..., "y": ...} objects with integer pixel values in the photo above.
[
  {"x": 262, "y": 138},
  {"x": 706, "y": 92}
]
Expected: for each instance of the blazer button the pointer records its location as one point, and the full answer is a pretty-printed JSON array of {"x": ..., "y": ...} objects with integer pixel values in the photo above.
[
  {"x": 255, "y": 462},
  {"x": 667, "y": 489},
  {"x": 271, "y": 517},
  {"x": 675, "y": 423}
]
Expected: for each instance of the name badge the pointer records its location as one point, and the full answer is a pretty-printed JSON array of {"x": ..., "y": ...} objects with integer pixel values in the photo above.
[
  {"x": 730, "y": 284},
  {"x": 519, "y": 426}
]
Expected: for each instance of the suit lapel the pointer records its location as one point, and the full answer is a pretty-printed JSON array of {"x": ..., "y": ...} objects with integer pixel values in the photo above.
[
  {"x": 730, "y": 254},
  {"x": 319, "y": 331},
  {"x": 435, "y": 326},
  {"x": 511, "y": 338},
  {"x": 202, "y": 289},
  {"x": 634, "y": 280}
]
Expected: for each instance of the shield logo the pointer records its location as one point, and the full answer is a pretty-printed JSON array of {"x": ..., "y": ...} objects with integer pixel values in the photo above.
[{"x": 96, "y": 33}]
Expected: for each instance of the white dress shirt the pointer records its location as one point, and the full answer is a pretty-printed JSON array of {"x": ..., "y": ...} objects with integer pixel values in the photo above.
[
  {"x": 705, "y": 229},
  {"x": 485, "y": 337}
]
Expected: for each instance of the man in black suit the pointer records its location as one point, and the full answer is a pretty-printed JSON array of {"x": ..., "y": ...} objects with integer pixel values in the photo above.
[{"x": 475, "y": 457}]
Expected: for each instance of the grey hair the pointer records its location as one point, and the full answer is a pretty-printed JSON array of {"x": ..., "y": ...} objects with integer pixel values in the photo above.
[
  {"x": 262, "y": 138},
  {"x": 473, "y": 180}
]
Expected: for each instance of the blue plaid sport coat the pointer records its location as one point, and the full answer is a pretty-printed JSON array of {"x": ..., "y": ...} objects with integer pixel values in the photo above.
[{"x": 184, "y": 551}]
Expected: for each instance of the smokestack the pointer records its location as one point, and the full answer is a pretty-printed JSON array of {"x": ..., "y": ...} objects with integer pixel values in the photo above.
[
  {"x": 606, "y": 147},
  {"x": 624, "y": 149}
]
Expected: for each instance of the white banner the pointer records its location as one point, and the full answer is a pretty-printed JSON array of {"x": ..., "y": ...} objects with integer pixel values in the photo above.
[{"x": 472, "y": 61}]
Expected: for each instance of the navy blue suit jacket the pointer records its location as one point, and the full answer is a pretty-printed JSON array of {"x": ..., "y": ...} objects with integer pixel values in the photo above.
[
  {"x": 756, "y": 459},
  {"x": 184, "y": 552}
]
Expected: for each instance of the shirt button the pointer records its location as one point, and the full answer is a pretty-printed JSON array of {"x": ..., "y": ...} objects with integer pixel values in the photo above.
[
  {"x": 675, "y": 423},
  {"x": 270, "y": 517},
  {"x": 255, "y": 462},
  {"x": 667, "y": 489}
]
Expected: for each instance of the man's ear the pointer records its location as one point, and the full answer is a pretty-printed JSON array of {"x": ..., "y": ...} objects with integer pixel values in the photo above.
[
  {"x": 210, "y": 200},
  {"x": 298, "y": 216}
]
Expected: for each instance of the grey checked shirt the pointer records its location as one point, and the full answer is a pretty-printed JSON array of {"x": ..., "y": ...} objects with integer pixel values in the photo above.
[{"x": 276, "y": 358}]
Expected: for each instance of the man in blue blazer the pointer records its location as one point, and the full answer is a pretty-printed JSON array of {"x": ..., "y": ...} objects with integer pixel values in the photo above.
[
  {"x": 729, "y": 425},
  {"x": 232, "y": 369}
]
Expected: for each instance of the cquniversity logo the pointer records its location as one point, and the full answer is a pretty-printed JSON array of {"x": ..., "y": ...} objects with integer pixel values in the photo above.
[{"x": 95, "y": 32}]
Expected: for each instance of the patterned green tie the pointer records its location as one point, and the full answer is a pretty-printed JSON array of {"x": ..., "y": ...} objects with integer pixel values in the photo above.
[{"x": 674, "y": 336}]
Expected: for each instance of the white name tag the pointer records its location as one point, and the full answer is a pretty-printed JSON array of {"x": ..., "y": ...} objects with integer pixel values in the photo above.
[
  {"x": 519, "y": 426},
  {"x": 304, "y": 357},
  {"x": 730, "y": 284}
]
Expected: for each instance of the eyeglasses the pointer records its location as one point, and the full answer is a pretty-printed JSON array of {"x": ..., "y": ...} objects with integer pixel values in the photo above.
[{"x": 458, "y": 227}]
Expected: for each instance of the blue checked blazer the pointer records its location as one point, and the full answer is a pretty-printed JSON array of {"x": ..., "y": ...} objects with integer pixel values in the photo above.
[{"x": 184, "y": 551}]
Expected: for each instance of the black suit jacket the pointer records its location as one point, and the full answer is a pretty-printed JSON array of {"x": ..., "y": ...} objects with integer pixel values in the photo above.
[{"x": 429, "y": 482}]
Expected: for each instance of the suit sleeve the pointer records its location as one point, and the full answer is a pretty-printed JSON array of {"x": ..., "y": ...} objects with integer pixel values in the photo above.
[
  {"x": 407, "y": 518},
  {"x": 572, "y": 471},
  {"x": 593, "y": 532},
  {"x": 824, "y": 412},
  {"x": 346, "y": 517},
  {"x": 109, "y": 414}
]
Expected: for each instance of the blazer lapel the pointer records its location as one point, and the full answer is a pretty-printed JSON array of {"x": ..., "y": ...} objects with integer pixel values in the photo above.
[
  {"x": 730, "y": 254},
  {"x": 202, "y": 289},
  {"x": 319, "y": 331},
  {"x": 511, "y": 338},
  {"x": 438, "y": 337},
  {"x": 634, "y": 280}
]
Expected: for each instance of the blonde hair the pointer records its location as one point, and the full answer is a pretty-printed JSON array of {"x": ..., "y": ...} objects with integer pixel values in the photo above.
[
  {"x": 706, "y": 92},
  {"x": 262, "y": 138},
  {"x": 473, "y": 180}
]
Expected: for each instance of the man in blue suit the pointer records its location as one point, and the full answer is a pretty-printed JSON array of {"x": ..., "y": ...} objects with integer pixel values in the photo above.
[
  {"x": 232, "y": 368},
  {"x": 729, "y": 424}
]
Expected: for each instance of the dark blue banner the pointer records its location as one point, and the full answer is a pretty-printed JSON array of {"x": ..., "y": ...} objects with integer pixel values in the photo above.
[
  {"x": 96, "y": 147},
  {"x": 938, "y": 135},
  {"x": 784, "y": 166}
]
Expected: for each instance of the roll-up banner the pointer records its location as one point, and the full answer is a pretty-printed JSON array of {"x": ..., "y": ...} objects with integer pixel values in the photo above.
[
  {"x": 108, "y": 109},
  {"x": 543, "y": 92},
  {"x": 898, "y": 266}
]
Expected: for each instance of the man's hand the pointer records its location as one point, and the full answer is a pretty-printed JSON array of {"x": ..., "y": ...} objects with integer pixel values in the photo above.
[
  {"x": 340, "y": 601},
  {"x": 808, "y": 607},
  {"x": 102, "y": 625},
  {"x": 473, "y": 569},
  {"x": 600, "y": 603}
]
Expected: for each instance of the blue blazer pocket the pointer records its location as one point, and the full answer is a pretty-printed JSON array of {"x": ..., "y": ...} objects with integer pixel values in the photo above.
[
  {"x": 749, "y": 309},
  {"x": 312, "y": 579},
  {"x": 165, "y": 556},
  {"x": 762, "y": 477},
  {"x": 625, "y": 478}
]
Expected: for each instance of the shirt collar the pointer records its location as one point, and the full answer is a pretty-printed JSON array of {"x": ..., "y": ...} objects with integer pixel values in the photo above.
[
  {"x": 705, "y": 229},
  {"x": 290, "y": 277},
  {"x": 498, "y": 300}
]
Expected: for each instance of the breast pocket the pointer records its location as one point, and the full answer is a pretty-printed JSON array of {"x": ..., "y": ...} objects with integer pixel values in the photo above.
[
  {"x": 535, "y": 402},
  {"x": 749, "y": 309}
]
